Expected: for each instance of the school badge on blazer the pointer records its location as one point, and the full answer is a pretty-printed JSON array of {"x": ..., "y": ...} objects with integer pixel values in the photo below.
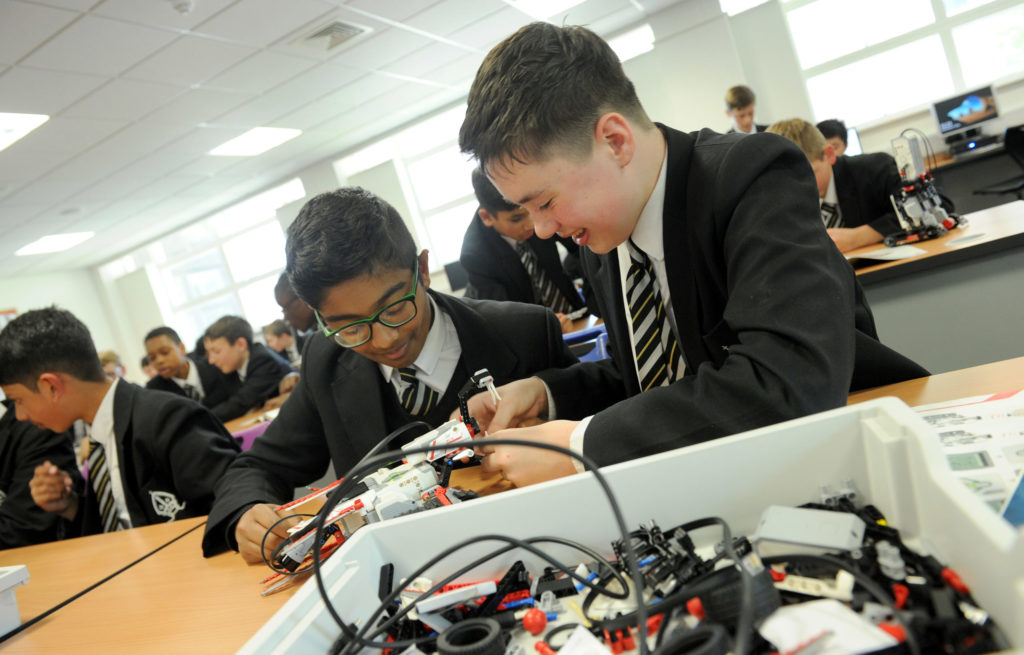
[{"x": 166, "y": 504}]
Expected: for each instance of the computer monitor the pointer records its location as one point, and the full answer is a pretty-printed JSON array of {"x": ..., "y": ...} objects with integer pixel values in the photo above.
[
  {"x": 853, "y": 146},
  {"x": 965, "y": 111}
]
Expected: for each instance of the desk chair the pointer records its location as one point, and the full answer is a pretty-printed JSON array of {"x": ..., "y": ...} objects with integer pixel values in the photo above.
[
  {"x": 588, "y": 344},
  {"x": 1013, "y": 142}
]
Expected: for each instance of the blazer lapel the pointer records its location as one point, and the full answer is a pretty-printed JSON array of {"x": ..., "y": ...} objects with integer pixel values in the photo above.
[
  {"x": 846, "y": 191},
  {"x": 479, "y": 350},
  {"x": 124, "y": 401},
  {"x": 357, "y": 384}
]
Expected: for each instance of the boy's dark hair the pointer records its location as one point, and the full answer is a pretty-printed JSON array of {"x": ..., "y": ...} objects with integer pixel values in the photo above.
[
  {"x": 487, "y": 195},
  {"x": 278, "y": 328},
  {"x": 833, "y": 128},
  {"x": 739, "y": 96},
  {"x": 48, "y": 340},
  {"x": 162, "y": 331},
  {"x": 541, "y": 91},
  {"x": 231, "y": 328},
  {"x": 341, "y": 235},
  {"x": 144, "y": 362}
]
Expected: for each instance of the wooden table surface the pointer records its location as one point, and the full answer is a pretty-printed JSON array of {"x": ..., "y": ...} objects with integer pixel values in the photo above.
[
  {"x": 988, "y": 230},
  {"x": 996, "y": 377}
]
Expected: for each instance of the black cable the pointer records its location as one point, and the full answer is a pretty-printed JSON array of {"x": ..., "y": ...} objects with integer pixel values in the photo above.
[
  {"x": 554, "y": 632},
  {"x": 589, "y": 465},
  {"x": 929, "y": 152},
  {"x": 705, "y": 639},
  {"x": 277, "y": 549},
  {"x": 863, "y": 580}
]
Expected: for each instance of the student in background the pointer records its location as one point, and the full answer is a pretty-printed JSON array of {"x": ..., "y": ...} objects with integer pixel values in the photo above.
[
  {"x": 23, "y": 447},
  {"x": 726, "y": 306},
  {"x": 147, "y": 368},
  {"x": 185, "y": 375},
  {"x": 253, "y": 372},
  {"x": 739, "y": 107},
  {"x": 283, "y": 341},
  {"x": 853, "y": 192},
  {"x": 505, "y": 260},
  {"x": 834, "y": 131},
  {"x": 111, "y": 362},
  {"x": 150, "y": 457},
  {"x": 298, "y": 314},
  {"x": 391, "y": 351}
]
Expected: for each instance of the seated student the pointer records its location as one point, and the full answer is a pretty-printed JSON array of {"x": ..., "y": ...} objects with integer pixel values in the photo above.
[
  {"x": 283, "y": 341},
  {"x": 112, "y": 365},
  {"x": 185, "y": 375},
  {"x": 704, "y": 249},
  {"x": 253, "y": 371},
  {"x": 152, "y": 457},
  {"x": 739, "y": 107},
  {"x": 23, "y": 447},
  {"x": 506, "y": 261},
  {"x": 392, "y": 351},
  {"x": 298, "y": 314},
  {"x": 853, "y": 192},
  {"x": 834, "y": 131},
  {"x": 147, "y": 368}
]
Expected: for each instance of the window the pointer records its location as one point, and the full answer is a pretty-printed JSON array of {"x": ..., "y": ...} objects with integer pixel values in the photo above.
[{"x": 863, "y": 60}]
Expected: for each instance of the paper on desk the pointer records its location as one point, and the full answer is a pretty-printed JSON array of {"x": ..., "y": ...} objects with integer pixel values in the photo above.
[
  {"x": 832, "y": 628},
  {"x": 983, "y": 439},
  {"x": 889, "y": 254}
]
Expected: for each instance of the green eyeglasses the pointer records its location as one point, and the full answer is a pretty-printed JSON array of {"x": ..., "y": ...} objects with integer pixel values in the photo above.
[{"x": 393, "y": 315}]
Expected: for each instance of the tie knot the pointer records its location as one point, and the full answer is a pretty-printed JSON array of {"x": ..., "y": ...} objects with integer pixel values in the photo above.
[{"x": 408, "y": 373}]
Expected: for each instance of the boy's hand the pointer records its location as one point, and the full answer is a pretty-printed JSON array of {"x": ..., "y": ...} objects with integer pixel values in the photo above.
[
  {"x": 565, "y": 322},
  {"x": 522, "y": 465},
  {"x": 521, "y": 401},
  {"x": 851, "y": 238},
  {"x": 286, "y": 384},
  {"x": 253, "y": 525},
  {"x": 51, "y": 490}
]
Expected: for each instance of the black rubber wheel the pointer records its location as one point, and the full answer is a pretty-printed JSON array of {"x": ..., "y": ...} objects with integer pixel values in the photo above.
[{"x": 472, "y": 637}]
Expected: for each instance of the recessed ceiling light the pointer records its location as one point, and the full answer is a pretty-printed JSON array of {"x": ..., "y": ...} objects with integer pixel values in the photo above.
[
  {"x": 54, "y": 243},
  {"x": 256, "y": 141},
  {"x": 633, "y": 43},
  {"x": 543, "y": 9},
  {"x": 15, "y": 126}
]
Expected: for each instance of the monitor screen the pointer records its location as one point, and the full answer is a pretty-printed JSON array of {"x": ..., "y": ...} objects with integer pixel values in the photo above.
[
  {"x": 965, "y": 110},
  {"x": 853, "y": 146}
]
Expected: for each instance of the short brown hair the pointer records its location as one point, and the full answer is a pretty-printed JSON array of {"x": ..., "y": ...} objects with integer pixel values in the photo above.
[
  {"x": 739, "y": 96},
  {"x": 802, "y": 133},
  {"x": 542, "y": 90}
]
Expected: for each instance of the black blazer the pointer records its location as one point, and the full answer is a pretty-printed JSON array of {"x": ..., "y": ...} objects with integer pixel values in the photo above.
[
  {"x": 215, "y": 386},
  {"x": 266, "y": 368},
  {"x": 864, "y": 184},
  {"x": 496, "y": 272},
  {"x": 23, "y": 447},
  {"x": 171, "y": 452},
  {"x": 757, "y": 127},
  {"x": 338, "y": 410},
  {"x": 765, "y": 305}
]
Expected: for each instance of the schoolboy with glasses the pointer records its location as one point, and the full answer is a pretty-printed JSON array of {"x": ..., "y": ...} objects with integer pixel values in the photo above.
[{"x": 390, "y": 350}]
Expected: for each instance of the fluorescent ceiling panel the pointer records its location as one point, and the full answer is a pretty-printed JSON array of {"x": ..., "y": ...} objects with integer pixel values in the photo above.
[
  {"x": 15, "y": 126},
  {"x": 256, "y": 141},
  {"x": 54, "y": 243}
]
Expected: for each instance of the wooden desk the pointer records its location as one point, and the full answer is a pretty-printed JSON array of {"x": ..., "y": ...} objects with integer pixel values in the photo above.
[
  {"x": 246, "y": 420},
  {"x": 977, "y": 381},
  {"x": 959, "y": 305},
  {"x": 172, "y": 602},
  {"x": 59, "y": 570}
]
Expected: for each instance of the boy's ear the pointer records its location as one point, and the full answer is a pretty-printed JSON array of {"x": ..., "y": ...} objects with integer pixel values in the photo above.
[
  {"x": 240, "y": 342},
  {"x": 830, "y": 154},
  {"x": 51, "y": 386},
  {"x": 486, "y": 217},
  {"x": 424, "y": 267},
  {"x": 614, "y": 132}
]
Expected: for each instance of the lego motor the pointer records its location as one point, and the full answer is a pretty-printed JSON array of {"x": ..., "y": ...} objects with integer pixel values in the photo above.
[{"x": 918, "y": 205}]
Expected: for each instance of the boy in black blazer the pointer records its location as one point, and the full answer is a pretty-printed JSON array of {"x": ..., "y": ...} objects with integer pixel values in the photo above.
[
  {"x": 853, "y": 192},
  {"x": 389, "y": 351},
  {"x": 180, "y": 373},
  {"x": 726, "y": 306},
  {"x": 252, "y": 371},
  {"x": 151, "y": 456},
  {"x": 23, "y": 447},
  {"x": 505, "y": 260}
]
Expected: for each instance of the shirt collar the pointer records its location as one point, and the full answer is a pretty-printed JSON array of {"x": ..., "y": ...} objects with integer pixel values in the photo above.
[
  {"x": 647, "y": 233},
  {"x": 432, "y": 347},
  {"x": 103, "y": 422}
]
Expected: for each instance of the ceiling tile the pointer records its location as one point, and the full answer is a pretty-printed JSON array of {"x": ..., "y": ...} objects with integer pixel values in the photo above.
[
  {"x": 160, "y": 14},
  {"x": 190, "y": 60},
  {"x": 24, "y": 26},
  {"x": 198, "y": 142},
  {"x": 198, "y": 106},
  {"x": 262, "y": 71},
  {"x": 421, "y": 62},
  {"x": 15, "y": 215},
  {"x": 66, "y": 135},
  {"x": 491, "y": 29},
  {"x": 99, "y": 46},
  {"x": 43, "y": 92},
  {"x": 362, "y": 90},
  {"x": 457, "y": 73},
  {"x": 380, "y": 49},
  {"x": 262, "y": 22},
  {"x": 452, "y": 15},
  {"x": 209, "y": 165},
  {"x": 77, "y": 5},
  {"x": 396, "y": 10},
  {"x": 114, "y": 187},
  {"x": 123, "y": 99},
  {"x": 21, "y": 167}
]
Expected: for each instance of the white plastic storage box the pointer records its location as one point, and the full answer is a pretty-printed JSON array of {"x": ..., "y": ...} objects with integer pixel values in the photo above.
[{"x": 891, "y": 456}]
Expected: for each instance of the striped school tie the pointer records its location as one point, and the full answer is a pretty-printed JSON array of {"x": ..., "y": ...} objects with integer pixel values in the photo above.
[
  {"x": 417, "y": 398},
  {"x": 99, "y": 478},
  {"x": 830, "y": 215},
  {"x": 544, "y": 289},
  {"x": 652, "y": 335},
  {"x": 192, "y": 392}
]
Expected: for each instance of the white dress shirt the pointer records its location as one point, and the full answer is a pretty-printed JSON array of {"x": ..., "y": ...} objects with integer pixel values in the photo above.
[{"x": 102, "y": 432}]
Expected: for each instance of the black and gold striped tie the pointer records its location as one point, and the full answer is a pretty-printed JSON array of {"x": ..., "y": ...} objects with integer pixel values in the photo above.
[
  {"x": 417, "y": 398},
  {"x": 99, "y": 478},
  {"x": 544, "y": 290},
  {"x": 652, "y": 334}
]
